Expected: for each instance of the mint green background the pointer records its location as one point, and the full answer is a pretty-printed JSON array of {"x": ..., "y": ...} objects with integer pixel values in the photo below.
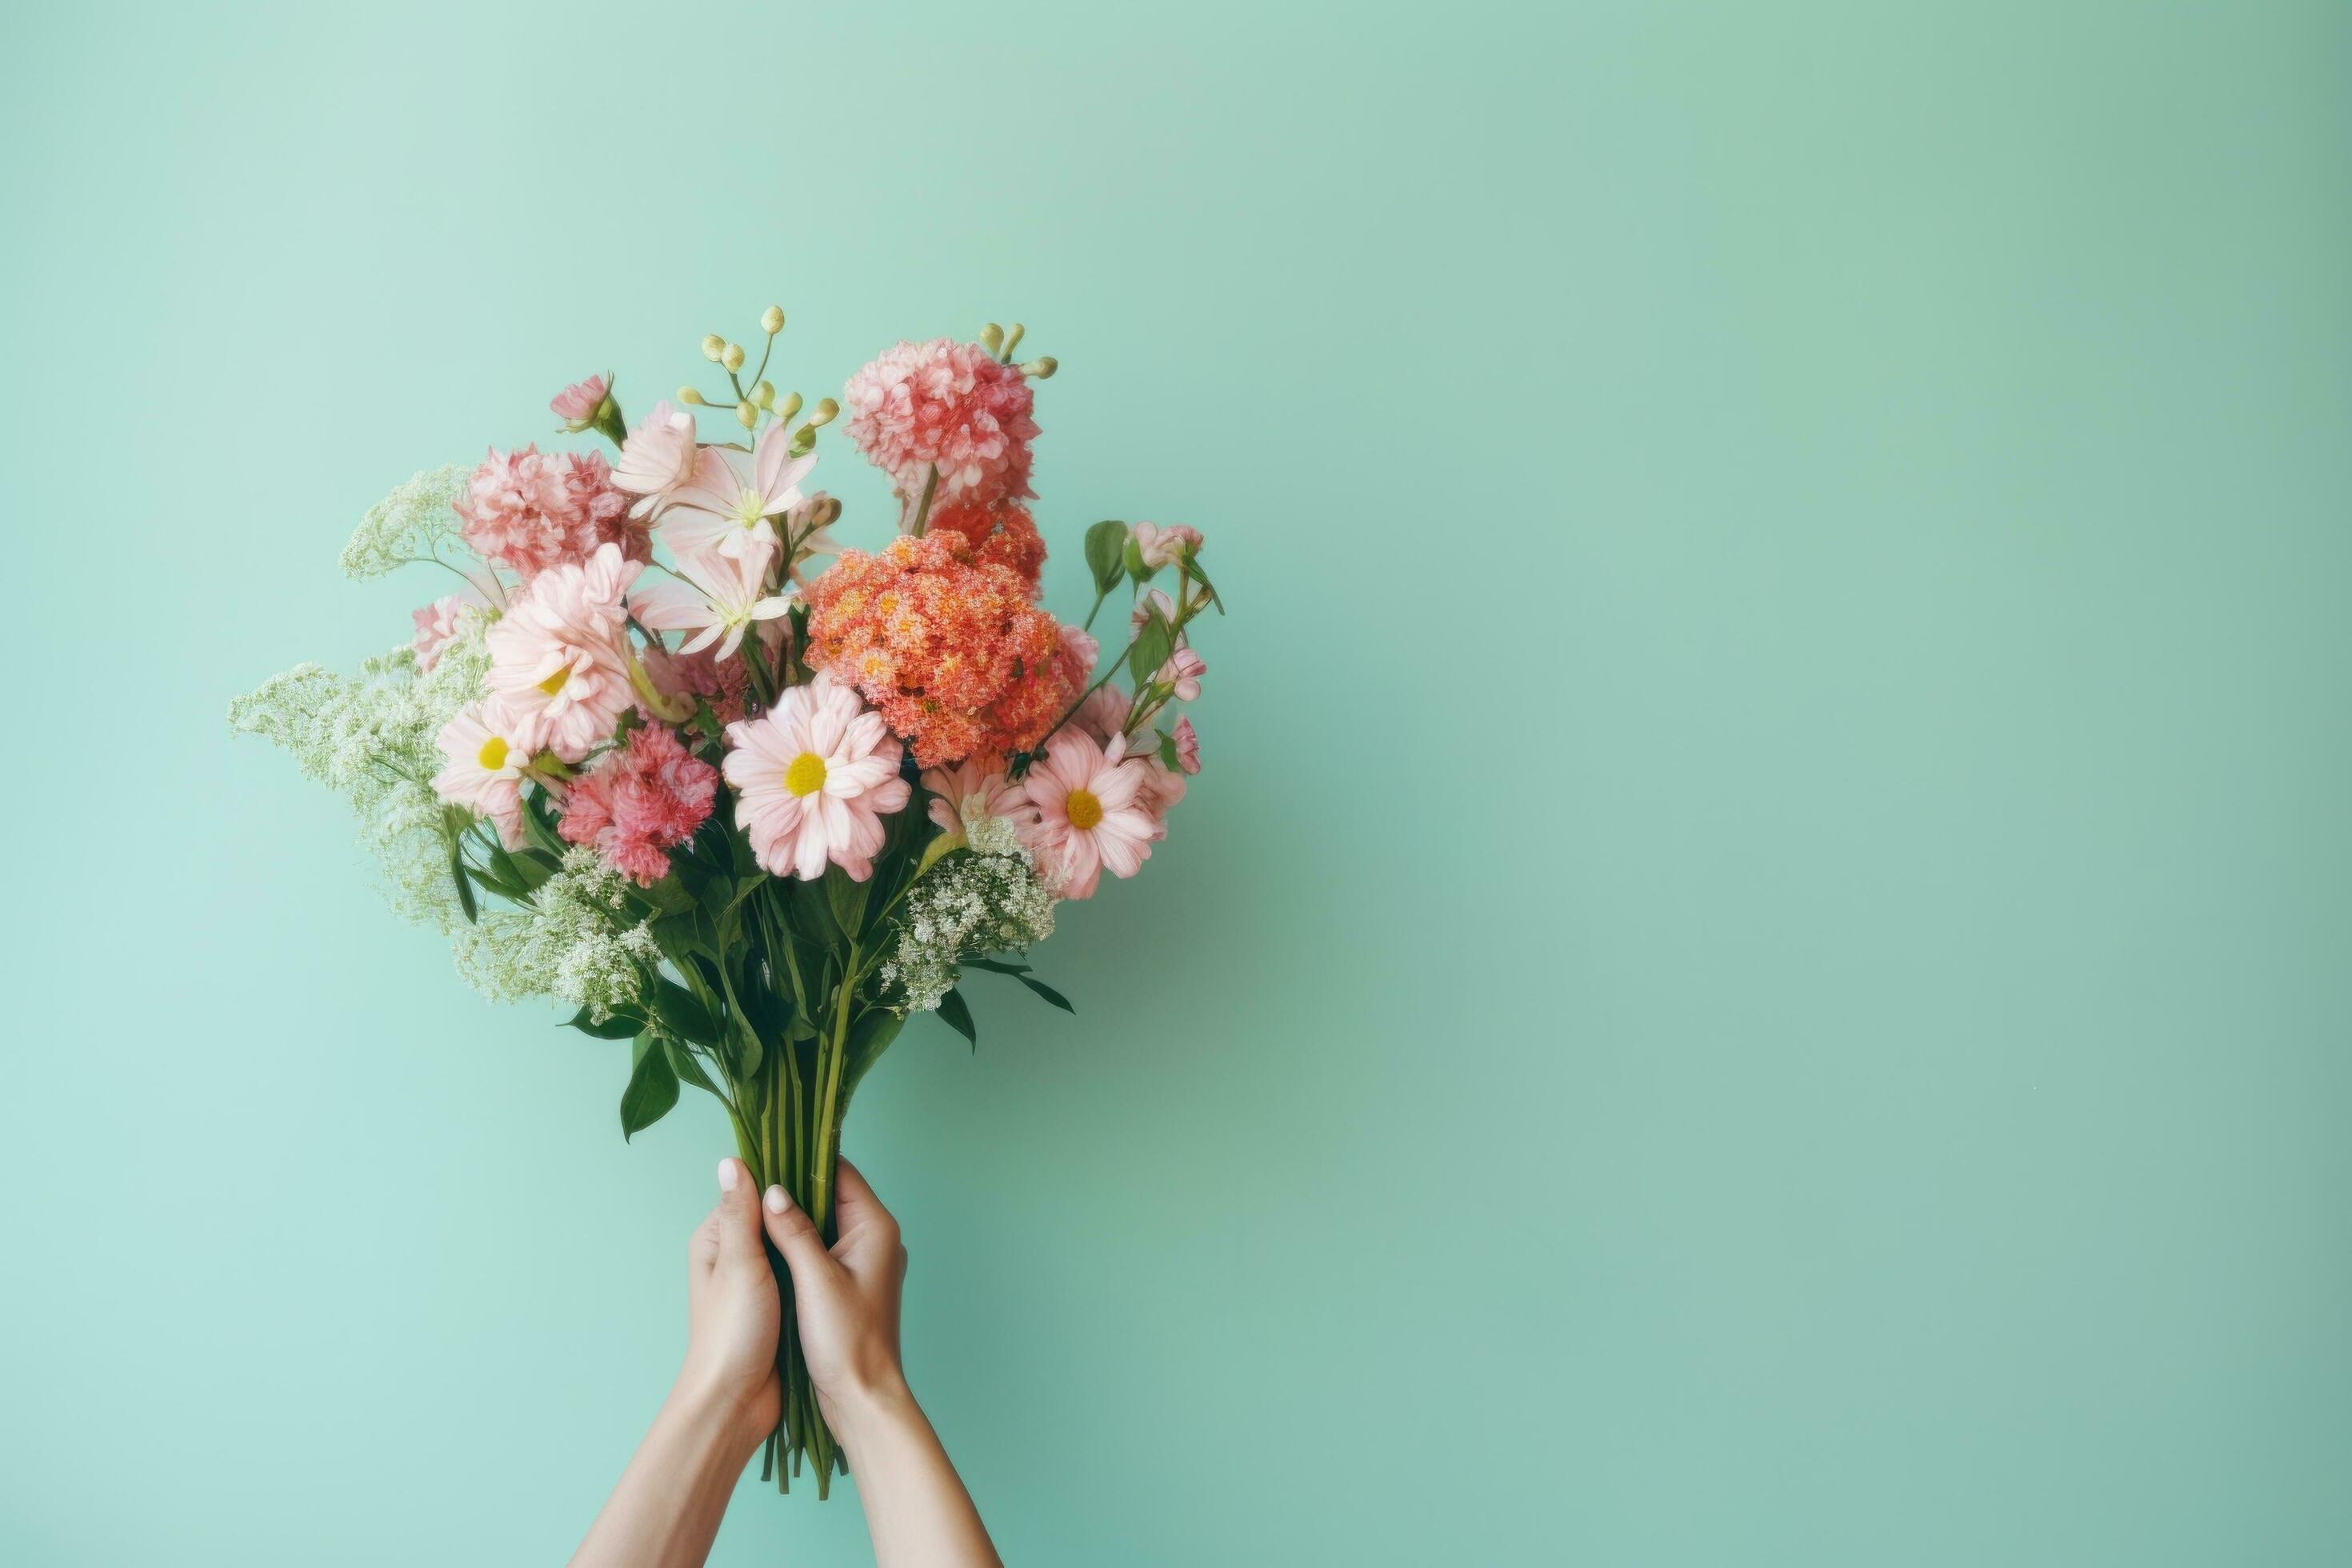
[{"x": 1757, "y": 975}]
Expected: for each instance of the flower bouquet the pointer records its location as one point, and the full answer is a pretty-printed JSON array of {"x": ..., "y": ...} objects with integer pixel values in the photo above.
[{"x": 746, "y": 814}]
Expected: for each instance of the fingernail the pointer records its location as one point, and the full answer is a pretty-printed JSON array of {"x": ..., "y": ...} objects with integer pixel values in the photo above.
[
  {"x": 778, "y": 1200},
  {"x": 728, "y": 1174}
]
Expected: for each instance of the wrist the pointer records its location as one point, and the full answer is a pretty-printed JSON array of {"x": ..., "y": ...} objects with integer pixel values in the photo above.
[
  {"x": 728, "y": 1417},
  {"x": 870, "y": 1408}
]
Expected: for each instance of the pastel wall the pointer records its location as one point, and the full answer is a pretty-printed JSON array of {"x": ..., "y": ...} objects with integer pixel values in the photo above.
[{"x": 1757, "y": 972}]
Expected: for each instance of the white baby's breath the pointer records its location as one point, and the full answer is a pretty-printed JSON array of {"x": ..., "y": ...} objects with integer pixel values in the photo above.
[
  {"x": 966, "y": 906},
  {"x": 409, "y": 524}
]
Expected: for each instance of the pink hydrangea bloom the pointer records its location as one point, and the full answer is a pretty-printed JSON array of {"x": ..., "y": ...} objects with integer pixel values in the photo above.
[
  {"x": 488, "y": 744},
  {"x": 577, "y": 404},
  {"x": 1088, "y": 813},
  {"x": 1159, "y": 546},
  {"x": 559, "y": 656},
  {"x": 437, "y": 625},
  {"x": 1182, "y": 672},
  {"x": 639, "y": 800},
  {"x": 813, "y": 778},
  {"x": 528, "y": 510},
  {"x": 946, "y": 405},
  {"x": 975, "y": 791},
  {"x": 1188, "y": 745}
]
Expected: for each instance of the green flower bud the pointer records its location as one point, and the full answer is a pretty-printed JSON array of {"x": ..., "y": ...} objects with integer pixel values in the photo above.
[
  {"x": 1012, "y": 341},
  {"x": 991, "y": 337},
  {"x": 688, "y": 394},
  {"x": 713, "y": 345},
  {"x": 747, "y": 415},
  {"x": 1042, "y": 368},
  {"x": 731, "y": 356},
  {"x": 764, "y": 395},
  {"x": 771, "y": 320},
  {"x": 824, "y": 411},
  {"x": 789, "y": 406}
]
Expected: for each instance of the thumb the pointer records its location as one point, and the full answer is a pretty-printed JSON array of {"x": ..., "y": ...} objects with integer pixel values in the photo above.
[
  {"x": 795, "y": 1236},
  {"x": 737, "y": 1216}
]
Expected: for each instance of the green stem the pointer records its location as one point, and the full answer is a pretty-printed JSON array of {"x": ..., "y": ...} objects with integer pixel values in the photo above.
[{"x": 923, "y": 507}]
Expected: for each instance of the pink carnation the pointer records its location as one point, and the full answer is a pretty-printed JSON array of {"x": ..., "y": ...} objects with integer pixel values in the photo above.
[
  {"x": 1181, "y": 674},
  {"x": 1188, "y": 746},
  {"x": 438, "y": 625},
  {"x": 638, "y": 802},
  {"x": 577, "y": 404},
  {"x": 946, "y": 405},
  {"x": 529, "y": 510},
  {"x": 1162, "y": 546},
  {"x": 1104, "y": 712}
]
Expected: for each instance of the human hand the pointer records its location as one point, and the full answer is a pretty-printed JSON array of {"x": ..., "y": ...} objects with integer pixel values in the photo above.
[
  {"x": 845, "y": 1296},
  {"x": 732, "y": 1312}
]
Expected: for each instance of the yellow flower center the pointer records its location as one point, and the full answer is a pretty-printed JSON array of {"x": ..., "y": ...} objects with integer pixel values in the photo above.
[
  {"x": 555, "y": 683},
  {"x": 807, "y": 775},
  {"x": 1083, "y": 810},
  {"x": 493, "y": 755},
  {"x": 751, "y": 506}
]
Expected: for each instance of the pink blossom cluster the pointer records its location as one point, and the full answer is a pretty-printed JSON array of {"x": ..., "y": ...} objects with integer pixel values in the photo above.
[
  {"x": 948, "y": 407},
  {"x": 639, "y": 695},
  {"x": 531, "y": 510}
]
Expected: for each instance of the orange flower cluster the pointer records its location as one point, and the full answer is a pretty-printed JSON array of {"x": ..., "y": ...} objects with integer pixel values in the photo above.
[
  {"x": 947, "y": 648},
  {"x": 1004, "y": 535}
]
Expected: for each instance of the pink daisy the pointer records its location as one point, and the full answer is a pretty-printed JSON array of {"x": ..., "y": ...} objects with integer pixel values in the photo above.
[
  {"x": 488, "y": 745},
  {"x": 977, "y": 790},
  {"x": 727, "y": 505},
  {"x": 638, "y": 800},
  {"x": 559, "y": 656},
  {"x": 813, "y": 778},
  {"x": 1089, "y": 816}
]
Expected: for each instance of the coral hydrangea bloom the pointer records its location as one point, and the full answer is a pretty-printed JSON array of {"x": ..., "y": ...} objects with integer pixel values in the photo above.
[
  {"x": 559, "y": 656},
  {"x": 975, "y": 803},
  {"x": 531, "y": 510},
  {"x": 488, "y": 744},
  {"x": 946, "y": 405},
  {"x": 639, "y": 800},
  {"x": 813, "y": 778},
  {"x": 952, "y": 653},
  {"x": 1090, "y": 816},
  {"x": 1004, "y": 535}
]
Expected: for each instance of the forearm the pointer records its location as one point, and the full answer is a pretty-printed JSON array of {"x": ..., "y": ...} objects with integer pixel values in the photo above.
[
  {"x": 917, "y": 1508},
  {"x": 666, "y": 1511}
]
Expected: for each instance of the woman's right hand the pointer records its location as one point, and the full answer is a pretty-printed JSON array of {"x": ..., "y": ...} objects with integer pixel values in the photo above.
[{"x": 846, "y": 1297}]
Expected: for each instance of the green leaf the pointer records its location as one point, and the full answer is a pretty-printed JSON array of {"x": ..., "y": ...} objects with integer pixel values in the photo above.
[
  {"x": 538, "y": 827},
  {"x": 465, "y": 886},
  {"x": 527, "y": 870},
  {"x": 619, "y": 1026},
  {"x": 1193, "y": 563},
  {"x": 491, "y": 884},
  {"x": 668, "y": 895},
  {"x": 1167, "y": 751},
  {"x": 680, "y": 1012},
  {"x": 653, "y": 1089},
  {"x": 847, "y": 899},
  {"x": 1049, "y": 993},
  {"x": 996, "y": 964},
  {"x": 683, "y": 1063},
  {"x": 1105, "y": 542},
  {"x": 958, "y": 1016},
  {"x": 869, "y": 1038},
  {"x": 813, "y": 913},
  {"x": 1152, "y": 646},
  {"x": 1136, "y": 566}
]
